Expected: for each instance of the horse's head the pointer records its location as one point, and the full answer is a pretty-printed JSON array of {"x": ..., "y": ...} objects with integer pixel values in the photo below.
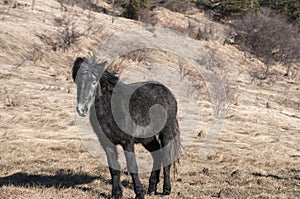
[{"x": 86, "y": 74}]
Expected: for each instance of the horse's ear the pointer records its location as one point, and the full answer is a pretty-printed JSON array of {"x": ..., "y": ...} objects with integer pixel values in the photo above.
[
  {"x": 76, "y": 67},
  {"x": 101, "y": 68}
]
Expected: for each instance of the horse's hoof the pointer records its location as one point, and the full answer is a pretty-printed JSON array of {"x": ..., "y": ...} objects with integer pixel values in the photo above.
[
  {"x": 166, "y": 192},
  {"x": 117, "y": 196},
  {"x": 152, "y": 190},
  {"x": 152, "y": 193},
  {"x": 140, "y": 197}
]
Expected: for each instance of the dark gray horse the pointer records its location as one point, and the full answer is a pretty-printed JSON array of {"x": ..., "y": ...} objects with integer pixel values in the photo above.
[{"x": 96, "y": 87}]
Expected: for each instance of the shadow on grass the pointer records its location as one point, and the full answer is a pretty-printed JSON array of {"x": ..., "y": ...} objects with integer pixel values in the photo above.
[{"x": 59, "y": 180}]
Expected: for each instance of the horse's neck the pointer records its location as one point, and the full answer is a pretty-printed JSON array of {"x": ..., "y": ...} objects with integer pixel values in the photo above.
[{"x": 107, "y": 87}]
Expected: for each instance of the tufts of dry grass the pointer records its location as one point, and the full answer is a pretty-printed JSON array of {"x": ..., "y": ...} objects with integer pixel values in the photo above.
[{"x": 41, "y": 155}]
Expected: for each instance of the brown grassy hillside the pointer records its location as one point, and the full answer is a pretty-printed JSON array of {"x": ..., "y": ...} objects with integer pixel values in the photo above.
[{"x": 42, "y": 156}]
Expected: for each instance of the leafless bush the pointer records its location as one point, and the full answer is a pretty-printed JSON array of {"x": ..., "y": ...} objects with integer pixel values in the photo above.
[
  {"x": 84, "y": 4},
  {"x": 10, "y": 3},
  {"x": 191, "y": 30},
  {"x": 207, "y": 31},
  {"x": 66, "y": 35},
  {"x": 270, "y": 38},
  {"x": 70, "y": 31},
  {"x": 63, "y": 5},
  {"x": 177, "y": 5},
  {"x": 10, "y": 99},
  {"x": 148, "y": 17},
  {"x": 35, "y": 54},
  {"x": 13, "y": 4},
  {"x": 93, "y": 26},
  {"x": 229, "y": 36},
  {"x": 194, "y": 32},
  {"x": 287, "y": 98}
]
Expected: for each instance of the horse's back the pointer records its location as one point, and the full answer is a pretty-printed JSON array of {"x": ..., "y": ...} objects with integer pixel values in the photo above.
[{"x": 146, "y": 96}]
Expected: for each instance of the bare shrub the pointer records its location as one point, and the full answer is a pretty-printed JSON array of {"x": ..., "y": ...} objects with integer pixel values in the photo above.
[
  {"x": 93, "y": 26},
  {"x": 84, "y": 4},
  {"x": 194, "y": 32},
  {"x": 208, "y": 32},
  {"x": 177, "y": 5},
  {"x": 288, "y": 99},
  {"x": 10, "y": 99},
  {"x": 148, "y": 17},
  {"x": 187, "y": 28},
  {"x": 270, "y": 38},
  {"x": 14, "y": 4},
  {"x": 135, "y": 9},
  {"x": 132, "y": 9},
  {"x": 66, "y": 35},
  {"x": 63, "y": 4},
  {"x": 10, "y": 3},
  {"x": 35, "y": 54}
]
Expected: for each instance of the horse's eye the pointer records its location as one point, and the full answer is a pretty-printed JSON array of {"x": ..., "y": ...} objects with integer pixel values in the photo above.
[{"x": 94, "y": 83}]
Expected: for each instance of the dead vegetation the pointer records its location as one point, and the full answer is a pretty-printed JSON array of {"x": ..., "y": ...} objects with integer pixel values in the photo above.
[
  {"x": 257, "y": 154},
  {"x": 67, "y": 34},
  {"x": 270, "y": 38},
  {"x": 70, "y": 30}
]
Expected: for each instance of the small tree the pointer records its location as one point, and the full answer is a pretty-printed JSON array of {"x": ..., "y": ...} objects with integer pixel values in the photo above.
[{"x": 269, "y": 37}]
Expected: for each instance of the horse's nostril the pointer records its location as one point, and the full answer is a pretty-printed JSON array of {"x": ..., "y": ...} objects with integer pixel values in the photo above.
[{"x": 82, "y": 110}]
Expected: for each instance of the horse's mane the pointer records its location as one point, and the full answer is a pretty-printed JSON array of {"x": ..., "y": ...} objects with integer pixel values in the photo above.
[
  {"x": 108, "y": 75},
  {"x": 76, "y": 67}
]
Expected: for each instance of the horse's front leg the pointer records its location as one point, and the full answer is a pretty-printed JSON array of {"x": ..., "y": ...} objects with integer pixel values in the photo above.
[
  {"x": 114, "y": 168},
  {"x": 133, "y": 169}
]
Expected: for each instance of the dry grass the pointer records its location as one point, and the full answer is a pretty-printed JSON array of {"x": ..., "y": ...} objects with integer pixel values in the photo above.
[{"x": 41, "y": 155}]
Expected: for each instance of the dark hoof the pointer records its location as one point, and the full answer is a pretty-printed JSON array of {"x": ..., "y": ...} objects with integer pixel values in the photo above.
[
  {"x": 166, "y": 192},
  {"x": 152, "y": 189},
  {"x": 152, "y": 193},
  {"x": 140, "y": 197},
  {"x": 117, "y": 195}
]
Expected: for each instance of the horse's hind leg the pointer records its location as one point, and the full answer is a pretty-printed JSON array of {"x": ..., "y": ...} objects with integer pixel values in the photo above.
[
  {"x": 170, "y": 142},
  {"x": 133, "y": 169},
  {"x": 166, "y": 162},
  {"x": 154, "y": 148}
]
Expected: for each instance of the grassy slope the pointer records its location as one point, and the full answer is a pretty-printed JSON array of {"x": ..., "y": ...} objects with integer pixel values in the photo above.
[{"x": 257, "y": 155}]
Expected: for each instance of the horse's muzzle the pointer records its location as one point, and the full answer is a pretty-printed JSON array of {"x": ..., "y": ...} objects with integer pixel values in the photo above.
[{"x": 82, "y": 110}]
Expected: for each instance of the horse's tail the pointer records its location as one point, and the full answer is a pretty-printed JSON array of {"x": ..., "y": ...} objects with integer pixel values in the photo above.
[
  {"x": 171, "y": 145},
  {"x": 176, "y": 147}
]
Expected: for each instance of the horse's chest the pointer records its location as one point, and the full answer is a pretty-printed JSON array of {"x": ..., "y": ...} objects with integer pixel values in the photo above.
[{"x": 107, "y": 123}]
